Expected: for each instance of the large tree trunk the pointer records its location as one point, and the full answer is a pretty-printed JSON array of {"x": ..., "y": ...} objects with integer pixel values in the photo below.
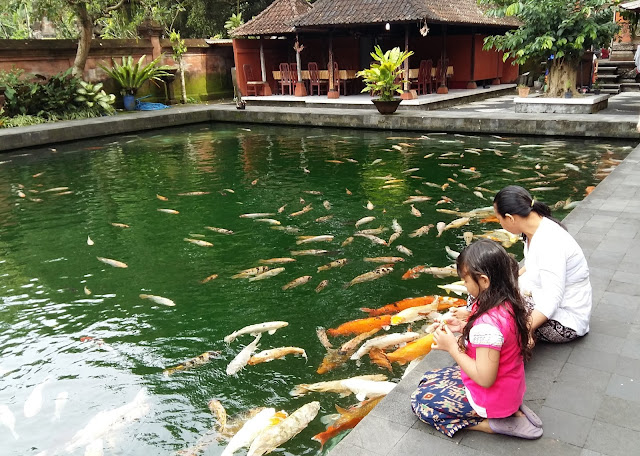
[
  {"x": 563, "y": 75},
  {"x": 84, "y": 43},
  {"x": 183, "y": 87}
]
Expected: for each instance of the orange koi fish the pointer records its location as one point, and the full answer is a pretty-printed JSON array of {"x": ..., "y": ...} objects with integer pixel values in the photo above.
[
  {"x": 447, "y": 302},
  {"x": 490, "y": 219},
  {"x": 399, "y": 305},
  {"x": 379, "y": 358},
  {"x": 412, "y": 350},
  {"x": 360, "y": 326},
  {"x": 348, "y": 419}
]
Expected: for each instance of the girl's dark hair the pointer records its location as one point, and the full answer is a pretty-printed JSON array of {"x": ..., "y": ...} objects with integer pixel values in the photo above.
[
  {"x": 486, "y": 257},
  {"x": 515, "y": 200}
]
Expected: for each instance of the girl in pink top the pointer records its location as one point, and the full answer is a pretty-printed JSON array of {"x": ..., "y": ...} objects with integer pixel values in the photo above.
[{"x": 485, "y": 390}]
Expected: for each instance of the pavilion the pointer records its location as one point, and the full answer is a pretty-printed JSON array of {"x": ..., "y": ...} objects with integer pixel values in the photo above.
[{"x": 346, "y": 31}]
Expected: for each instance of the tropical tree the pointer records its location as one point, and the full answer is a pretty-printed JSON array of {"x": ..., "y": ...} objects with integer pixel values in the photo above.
[
  {"x": 555, "y": 31},
  {"x": 179, "y": 49}
]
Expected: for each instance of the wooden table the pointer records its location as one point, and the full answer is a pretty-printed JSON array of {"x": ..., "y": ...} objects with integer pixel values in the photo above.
[{"x": 322, "y": 74}]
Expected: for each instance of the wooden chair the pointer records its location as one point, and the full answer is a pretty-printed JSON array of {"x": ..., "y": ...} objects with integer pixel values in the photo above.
[
  {"x": 314, "y": 79},
  {"x": 285, "y": 78},
  {"x": 337, "y": 82},
  {"x": 424, "y": 78},
  {"x": 252, "y": 84}
]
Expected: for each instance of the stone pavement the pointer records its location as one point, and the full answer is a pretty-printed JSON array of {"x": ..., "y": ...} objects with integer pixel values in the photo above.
[{"x": 587, "y": 392}]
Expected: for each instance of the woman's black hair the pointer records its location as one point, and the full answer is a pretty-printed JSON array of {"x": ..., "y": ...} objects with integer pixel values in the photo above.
[
  {"x": 486, "y": 257},
  {"x": 516, "y": 200}
]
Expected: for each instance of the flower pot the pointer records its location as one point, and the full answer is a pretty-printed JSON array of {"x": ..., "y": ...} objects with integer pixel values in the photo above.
[
  {"x": 537, "y": 85},
  {"x": 596, "y": 91},
  {"x": 568, "y": 94},
  {"x": 523, "y": 92},
  {"x": 129, "y": 102},
  {"x": 387, "y": 107}
]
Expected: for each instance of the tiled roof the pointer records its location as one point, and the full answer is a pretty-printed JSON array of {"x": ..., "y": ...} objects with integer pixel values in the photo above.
[
  {"x": 275, "y": 19},
  {"x": 343, "y": 12}
]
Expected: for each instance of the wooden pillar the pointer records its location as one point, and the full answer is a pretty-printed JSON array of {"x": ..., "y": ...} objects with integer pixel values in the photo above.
[
  {"x": 300, "y": 90},
  {"x": 406, "y": 95},
  {"x": 266, "y": 89},
  {"x": 332, "y": 92},
  {"x": 443, "y": 55},
  {"x": 472, "y": 79}
]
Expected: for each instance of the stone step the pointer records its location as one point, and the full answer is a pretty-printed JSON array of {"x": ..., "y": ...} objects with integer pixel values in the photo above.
[
  {"x": 630, "y": 87},
  {"x": 607, "y": 69},
  {"x": 610, "y": 91},
  {"x": 607, "y": 77}
]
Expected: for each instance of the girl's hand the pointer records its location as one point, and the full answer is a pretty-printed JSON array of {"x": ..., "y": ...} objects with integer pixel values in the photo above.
[
  {"x": 443, "y": 339},
  {"x": 460, "y": 313},
  {"x": 455, "y": 325}
]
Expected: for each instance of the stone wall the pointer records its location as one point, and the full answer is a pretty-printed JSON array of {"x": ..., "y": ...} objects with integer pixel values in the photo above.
[{"x": 208, "y": 64}]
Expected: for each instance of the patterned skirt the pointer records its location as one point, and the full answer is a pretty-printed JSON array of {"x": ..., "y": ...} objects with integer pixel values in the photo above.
[
  {"x": 552, "y": 331},
  {"x": 441, "y": 402}
]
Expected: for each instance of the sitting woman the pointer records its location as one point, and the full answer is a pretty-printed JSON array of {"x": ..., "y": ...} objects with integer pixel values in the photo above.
[
  {"x": 555, "y": 277},
  {"x": 484, "y": 392}
]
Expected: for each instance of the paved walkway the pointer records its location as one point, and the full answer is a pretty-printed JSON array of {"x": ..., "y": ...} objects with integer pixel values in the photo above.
[{"x": 587, "y": 392}]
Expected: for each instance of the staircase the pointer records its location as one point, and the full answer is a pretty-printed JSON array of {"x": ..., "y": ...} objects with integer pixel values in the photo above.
[{"x": 617, "y": 73}]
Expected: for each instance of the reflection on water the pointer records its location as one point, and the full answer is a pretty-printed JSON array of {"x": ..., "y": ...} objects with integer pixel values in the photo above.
[{"x": 76, "y": 325}]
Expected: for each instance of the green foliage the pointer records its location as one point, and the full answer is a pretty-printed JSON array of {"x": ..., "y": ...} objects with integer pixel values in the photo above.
[
  {"x": 21, "y": 120},
  {"x": 93, "y": 96},
  {"x": 233, "y": 22},
  {"x": 177, "y": 44},
  {"x": 15, "y": 19},
  {"x": 381, "y": 78},
  {"x": 552, "y": 27},
  {"x": 131, "y": 76}
]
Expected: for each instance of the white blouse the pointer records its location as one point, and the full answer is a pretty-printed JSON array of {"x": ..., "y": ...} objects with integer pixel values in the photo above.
[{"x": 557, "y": 276}]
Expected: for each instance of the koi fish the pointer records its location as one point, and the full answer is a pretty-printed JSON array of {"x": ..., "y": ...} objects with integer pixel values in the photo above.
[
  {"x": 266, "y": 274},
  {"x": 364, "y": 220},
  {"x": 393, "y": 237},
  {"x": 334, "y": 264},
  {"x": 468, "y": 237},
  {"x": 268, "y": 221},
  {"x": 33, "y": 404},
  {"x": 308, "y": 252},
  {"x": 455, "y": 287},
  {"x": 193, "y": 193},
  {"x": 89, "y": 240},
  {"x": 334, "y": 386},
  {"x": 421, "y": 231},
  {"x": 296, "y": 282},
  {"x": 322, "y": 238},
  {"x": 162, "y": 198},
  {"x": 246, "y": 273},
  {"x": 275, "y": 353},
  {"x": 284, "y": 431},
  {"x": 277, "y": 260},
  {"x": 395, "y": 226},
  {"x": 304, "y": 210},
  {"x": 490, "y": 219},
  {"x": 199, "y": 242},
  {"x": 452, "y": 253},
  {"x": 55, "y": 189},
  {"x": 192, "y": 362},
  {"x": 324, "y": 218},
  {"x": 440, "y": 227},
  {"x": 250, "y": 430},
  {"x": 219, "y": 230},
  {"x": 257, "y": 215},
  {"x": 158, "y": 300},
  {"x": 402, "y": 249},
  {"x": 209, "y": 278},
  {"x": 281, "y": 209},
  {"x": 114, "y": 263},
  {"x": 169, "y": 211},
  {"x": 349, "y": 418},
  {"x": 372, "y": 238},
  {"x": 119, "y": 225},
  {"x": 374, "y": 231},
  {"x": 377, "y": 357},
  {"x": 217, "y": 409},
  {"x": 350, "y": 346},
  {"x": 416, "y": 199},
  {"x": 457, "y": 223},
  {"x": 384, "y": 260},
  {"x": 243, "y": 357},
  {"x": 415, "y": 211},
  {"x": 364, "y": 389},
  {"x": 347, "y": 241},
  {"x": 369, "y": 276},
  {"x": 412, "y": 350},
  {"x": 327, "y": 205},
  {"x": 370, "y": 205},
  {"x": 382, "y": 342},
  {"x": 399, "y": 306},
  {"x": 360, "y": 326},
  {"x": 321, "y": 286},
  {"x": 414, "y": 314},
  {"x": 270, "y": 326}
]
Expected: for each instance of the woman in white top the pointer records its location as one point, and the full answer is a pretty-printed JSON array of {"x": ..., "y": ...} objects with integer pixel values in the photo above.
[{"x": 555, "y": 275}]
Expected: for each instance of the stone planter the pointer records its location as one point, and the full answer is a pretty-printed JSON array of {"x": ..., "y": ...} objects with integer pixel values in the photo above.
[{"x": 387, "y": 107}]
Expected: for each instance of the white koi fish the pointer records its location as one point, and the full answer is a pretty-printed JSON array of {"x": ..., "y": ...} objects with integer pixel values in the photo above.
[
  {"x": 333, "y": 386},
  {"x": 114, "y": 263},
  {"x": 296, "y": 282},
  {"x": 251, "y": 429},
  {"x": 243, "y": 357},
  {"x": 364, "y": 389},
  {"x": 270, "y": 326},
  {"x": 33, "y": 404},
  {"x": 267, "y": 274},
  {"x": 364, "y": 220},
  {"x": 276, "y": 353},
  {"x": 9, "y": 420},
  {"x": 61, "y": 401},
  {"x": 405, "y": 251},
  {"x": 110, "y": 420},
  {"x": 322, "y": 238},
  {"x": 284, "y": 431},
  {"x": 385, "y": 341},
  {"x": 158, "y": 300}
]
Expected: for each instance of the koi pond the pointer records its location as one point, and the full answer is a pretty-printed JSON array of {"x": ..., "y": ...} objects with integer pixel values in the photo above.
[{"x": 85, "y": 341}]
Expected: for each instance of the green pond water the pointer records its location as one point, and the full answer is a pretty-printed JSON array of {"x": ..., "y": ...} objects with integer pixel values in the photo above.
[{"x": 46, "y": 263}]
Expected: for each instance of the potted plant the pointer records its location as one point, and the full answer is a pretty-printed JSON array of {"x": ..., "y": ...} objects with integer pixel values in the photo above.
[
  {"x": 523, "y": 90},
  {"x": 568, "y": 93},
  {"x": 131, "y": 76},
  {"x": 596, "y": 87},
  {"x": 382, "y": 78}
]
